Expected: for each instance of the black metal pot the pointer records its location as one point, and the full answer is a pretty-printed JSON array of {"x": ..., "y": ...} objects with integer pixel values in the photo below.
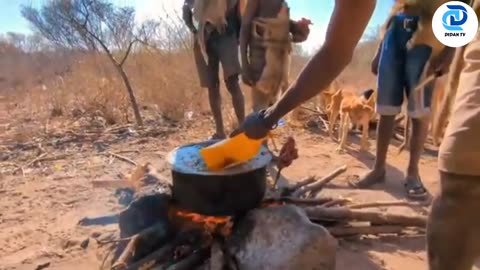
[{"x": 229, "y": 192}]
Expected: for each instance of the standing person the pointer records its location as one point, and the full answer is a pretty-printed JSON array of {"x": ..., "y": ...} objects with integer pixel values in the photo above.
[
  {"x": 401, "y": 61},
  {"x": 221, "y": 47},
  {"x": 346, "y": 27},
  {"x": 266, "y": 46},
  {"x": 453, "y": 231}
]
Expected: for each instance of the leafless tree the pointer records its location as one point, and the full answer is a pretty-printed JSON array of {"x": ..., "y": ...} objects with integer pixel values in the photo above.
[{"x": 91, "y": 25}]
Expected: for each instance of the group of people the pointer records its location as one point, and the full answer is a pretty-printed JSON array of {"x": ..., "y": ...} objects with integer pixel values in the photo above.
[
  {"x": 253, "y": 26},
  {"x": 408, "y": 44}
]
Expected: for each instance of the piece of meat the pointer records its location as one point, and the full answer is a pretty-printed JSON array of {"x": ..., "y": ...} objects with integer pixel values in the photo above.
[{"x": 288, "y": 153}]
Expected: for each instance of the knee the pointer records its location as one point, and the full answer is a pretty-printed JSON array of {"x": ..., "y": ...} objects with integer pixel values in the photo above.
[
  {"x": 232, "y": 84},
  {"x": 420, "y": 121}
]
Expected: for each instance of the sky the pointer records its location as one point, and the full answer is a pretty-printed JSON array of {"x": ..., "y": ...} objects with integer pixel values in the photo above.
[{"x": 318, "y": 11}]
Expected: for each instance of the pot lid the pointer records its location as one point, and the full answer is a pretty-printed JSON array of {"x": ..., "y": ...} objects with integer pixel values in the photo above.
[{"x": 187, "y": 159}]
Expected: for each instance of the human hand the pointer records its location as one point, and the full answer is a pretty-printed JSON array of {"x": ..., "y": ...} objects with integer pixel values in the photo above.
[
  {"x": 301, "y": 30},
  {"x": 254, "y": 126}
]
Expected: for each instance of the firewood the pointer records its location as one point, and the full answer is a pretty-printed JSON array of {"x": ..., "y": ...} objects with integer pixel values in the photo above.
[
  {"x": 158, "y": 256},
  {"x": 344, "y": 213},
  {"x": 365, "y": 230},
  {"x": 153, "y": 234},
  {"x": 307, "y": 181},
  {"x": 191, "y": 261},
  {"x": 300, "y": 201},
  {"x": 337, "y": 202},
  {"x": 318, "y": 186},
  {"x": 217, "y": 256},
  {"x": 384, "y": 204}
]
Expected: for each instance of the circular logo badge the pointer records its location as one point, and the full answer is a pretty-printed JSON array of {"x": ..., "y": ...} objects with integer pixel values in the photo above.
[{"x": 455, "y": 24}]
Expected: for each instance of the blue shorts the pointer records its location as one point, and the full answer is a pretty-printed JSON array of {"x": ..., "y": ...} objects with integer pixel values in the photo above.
[{"x": 400, "y": 70}]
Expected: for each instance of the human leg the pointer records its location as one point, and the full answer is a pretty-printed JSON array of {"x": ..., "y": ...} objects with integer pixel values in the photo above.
[
  {"x": 238, "y": 100},
  {"x": 453, "y": 230},
  {"x": 389, "y": 101},
  {"x": 419, "y": 104},
  {"x": 208, "y": 75},
  {"x": 227, "y": 49}
]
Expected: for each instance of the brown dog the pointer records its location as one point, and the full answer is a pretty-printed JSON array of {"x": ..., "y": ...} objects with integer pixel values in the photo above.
[
  {"x": 335, "y": 103},
  {"x": 355, "y": 110}
]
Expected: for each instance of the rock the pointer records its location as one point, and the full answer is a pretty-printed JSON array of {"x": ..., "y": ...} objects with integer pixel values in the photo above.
[
  {"x": 95, "y": 234},
  {"x": 84, "y": 243},
  {"x": 42, "y": 266},
  {"x": 281, "y": 238},
  {"x": 143, "y": 213},
  {"x": 68, "y": 243}
]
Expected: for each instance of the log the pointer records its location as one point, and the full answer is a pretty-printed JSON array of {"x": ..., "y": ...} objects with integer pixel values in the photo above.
[
  {"x": 385, "y": 204},
  {"x": 299, "y": 201},
  {"x": 365, "y": 230},
  {"x": 145, "y": 239},
  {"x": 191, "y": 261},
  {"x": 309, "y": 180},
  {"x": 339, "y": 202},
  {"x": 318, "y": 186},
  {"x": 217, "y": 256},
  {"x": 344, "y": 213},
  {"x": 158, "y": 256}
]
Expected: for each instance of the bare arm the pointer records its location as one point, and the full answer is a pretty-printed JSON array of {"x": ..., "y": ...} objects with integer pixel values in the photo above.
[
  {"x": 250, "y": 11},
  {"x": 348, "y": 22},
  {"x": 187, "y": 15}
]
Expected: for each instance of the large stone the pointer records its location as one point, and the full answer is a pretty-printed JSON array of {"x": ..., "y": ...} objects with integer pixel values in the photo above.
[{"x": 281, "y": 238}]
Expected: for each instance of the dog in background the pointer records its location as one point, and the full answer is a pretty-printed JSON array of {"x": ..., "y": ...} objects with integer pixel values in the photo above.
[
  {"x": 353, "y": 109},
  {"x": 334, "y": 107}
]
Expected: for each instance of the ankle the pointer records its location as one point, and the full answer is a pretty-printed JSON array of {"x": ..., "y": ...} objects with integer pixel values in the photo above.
[
  {"x": 379, "y": 168},
  {"x": 412, "y": 172}
]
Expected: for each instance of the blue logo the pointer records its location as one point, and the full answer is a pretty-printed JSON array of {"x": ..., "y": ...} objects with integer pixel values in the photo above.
[{"x": 454, "y": 18}]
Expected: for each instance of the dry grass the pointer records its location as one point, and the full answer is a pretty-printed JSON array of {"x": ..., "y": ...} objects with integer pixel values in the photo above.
[{"x": 46, "y": 85}]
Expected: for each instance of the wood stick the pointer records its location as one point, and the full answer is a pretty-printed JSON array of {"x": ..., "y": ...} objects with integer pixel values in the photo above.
[
  {"x": 156, "y": 233},
  {"x": 309, "y": 180},
  {"x": 127, "y": 254},
  {"x": 299, "y": 201},
  {"x": 191, "y": 261},
  {"x": 216, "y": 256},
  {"x": 384, "y": 204},
  {"x": 318, "y": 186},
  {"x": 122, "y": 158},
  {"x": 344, "y": 213},
  {"x": 372, "y": 230},
  {"x": 153, "y": 258},
  {"x": 340, "y": 202}
]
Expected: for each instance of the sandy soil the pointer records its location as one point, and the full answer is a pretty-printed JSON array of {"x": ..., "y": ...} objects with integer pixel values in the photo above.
[{"x": 41, "y": 210}]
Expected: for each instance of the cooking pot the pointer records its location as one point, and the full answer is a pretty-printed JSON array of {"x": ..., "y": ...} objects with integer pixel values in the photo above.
[{"x": 233, "y": 190}]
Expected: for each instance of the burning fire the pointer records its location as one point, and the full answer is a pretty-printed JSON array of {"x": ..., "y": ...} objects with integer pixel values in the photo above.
[{"x": 210, "y": 223}]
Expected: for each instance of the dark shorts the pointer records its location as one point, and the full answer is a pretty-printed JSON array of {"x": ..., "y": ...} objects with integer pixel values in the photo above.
[
  {"x": 222, "y": 49},
  {"x": 399, "y": 72},
  {"x": 257, "y": 62}
]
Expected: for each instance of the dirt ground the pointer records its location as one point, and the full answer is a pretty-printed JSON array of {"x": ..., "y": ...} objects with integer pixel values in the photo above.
[{"x": 41, "y": 209}]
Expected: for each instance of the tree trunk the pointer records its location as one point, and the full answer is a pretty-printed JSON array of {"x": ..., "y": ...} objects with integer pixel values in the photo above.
[{"x": 133, "y": 100}]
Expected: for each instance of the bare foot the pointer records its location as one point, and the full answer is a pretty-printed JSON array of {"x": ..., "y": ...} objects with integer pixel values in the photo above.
[{"x": 369, "y": 179}]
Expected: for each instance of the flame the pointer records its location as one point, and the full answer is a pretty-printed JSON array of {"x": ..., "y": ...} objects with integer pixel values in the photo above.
[{"x": 210, "y": 223}]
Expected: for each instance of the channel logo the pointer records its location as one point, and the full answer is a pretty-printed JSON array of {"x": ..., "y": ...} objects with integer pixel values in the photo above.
[{"x": 455, "y": 24}]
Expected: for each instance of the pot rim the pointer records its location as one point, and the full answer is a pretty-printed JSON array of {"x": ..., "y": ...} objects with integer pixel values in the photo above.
[{"x": 186, "y": 159}]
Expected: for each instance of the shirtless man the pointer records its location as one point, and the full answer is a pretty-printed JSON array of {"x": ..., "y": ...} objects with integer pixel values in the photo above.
[
  {"x": 346, "y": 27},
  {"x": 453, "y": 231},
  {"x": 401, "y": 61},
  {"x": 220, "y": 48},
  {"x": 254, "y": 46}
]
